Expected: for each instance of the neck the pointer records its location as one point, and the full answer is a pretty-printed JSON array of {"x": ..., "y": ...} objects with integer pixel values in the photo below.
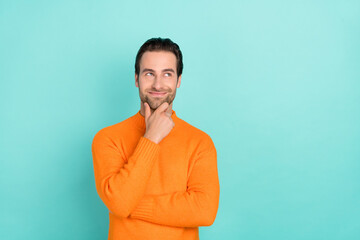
[{"x": 142, "y": 109}]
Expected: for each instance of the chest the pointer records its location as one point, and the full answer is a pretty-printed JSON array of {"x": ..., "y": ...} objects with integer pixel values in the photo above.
[{"x": 170, "y": 171}]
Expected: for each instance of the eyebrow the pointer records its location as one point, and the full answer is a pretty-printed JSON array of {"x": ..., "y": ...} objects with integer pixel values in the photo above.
[
  {"x": 168, "y": 70},
  {"x": 164, "y": 70},
  {"x": 147, "y": 70}
]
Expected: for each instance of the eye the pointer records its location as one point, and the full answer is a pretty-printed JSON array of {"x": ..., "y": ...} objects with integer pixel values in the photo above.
[
  {"x": 148, "y": 74},
  {"x": 167, "y": 74}
]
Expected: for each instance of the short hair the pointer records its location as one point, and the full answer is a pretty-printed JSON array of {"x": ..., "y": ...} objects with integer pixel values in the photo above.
[{"x": 160, "y": 44}]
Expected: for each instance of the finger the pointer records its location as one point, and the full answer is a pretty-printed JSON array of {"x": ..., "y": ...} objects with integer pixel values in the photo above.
[
  {"x": 162, "y": 108},
  {"x": 147, "y": 111},
  {"x": 168, "y": 114}
]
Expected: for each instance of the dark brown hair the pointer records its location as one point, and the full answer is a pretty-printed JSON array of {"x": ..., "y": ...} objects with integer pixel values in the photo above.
[{"x": 160, "y": 44}]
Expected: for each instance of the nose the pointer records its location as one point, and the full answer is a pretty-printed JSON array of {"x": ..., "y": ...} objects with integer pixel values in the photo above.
[{"x": 157, "y": 83}]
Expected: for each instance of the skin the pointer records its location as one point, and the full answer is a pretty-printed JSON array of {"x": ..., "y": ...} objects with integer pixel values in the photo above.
[{"x": 157, "y": 82}]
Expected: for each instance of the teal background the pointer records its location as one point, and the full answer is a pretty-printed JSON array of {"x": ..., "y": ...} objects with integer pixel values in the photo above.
[{"x": 274, "y": 83}]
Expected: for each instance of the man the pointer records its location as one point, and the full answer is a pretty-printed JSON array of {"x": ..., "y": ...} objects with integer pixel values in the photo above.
[{"x": 156, "y": 173}]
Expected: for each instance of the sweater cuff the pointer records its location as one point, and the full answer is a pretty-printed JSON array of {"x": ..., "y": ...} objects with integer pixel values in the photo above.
[
  {"x": 144, "y": 210},
  {"x": 146, "y": 149}
]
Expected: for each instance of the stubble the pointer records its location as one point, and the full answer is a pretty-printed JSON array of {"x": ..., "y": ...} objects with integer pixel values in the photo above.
[{"x": 155, "y": 102}]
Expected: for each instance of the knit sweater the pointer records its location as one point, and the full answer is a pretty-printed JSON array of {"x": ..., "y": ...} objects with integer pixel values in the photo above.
[{"x": 156, "y": 191}]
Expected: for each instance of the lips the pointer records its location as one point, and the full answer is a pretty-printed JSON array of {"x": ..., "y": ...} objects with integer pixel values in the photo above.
[{"x": 157, "y": 94}]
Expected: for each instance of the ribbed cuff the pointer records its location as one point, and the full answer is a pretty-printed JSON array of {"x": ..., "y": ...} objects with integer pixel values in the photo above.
[
  {"x": 144, "y": 210},
  {"x": 146, "y": 150}
]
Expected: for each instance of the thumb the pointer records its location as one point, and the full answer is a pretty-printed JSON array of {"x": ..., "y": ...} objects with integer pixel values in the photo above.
[{"x": 147, "y": 111}]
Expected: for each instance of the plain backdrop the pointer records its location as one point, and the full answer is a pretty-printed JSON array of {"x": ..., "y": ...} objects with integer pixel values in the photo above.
[{"x": 274, "y": 83}]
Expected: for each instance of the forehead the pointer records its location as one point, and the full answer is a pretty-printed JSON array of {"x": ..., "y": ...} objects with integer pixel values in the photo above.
[{"x": 158, "y": 60}]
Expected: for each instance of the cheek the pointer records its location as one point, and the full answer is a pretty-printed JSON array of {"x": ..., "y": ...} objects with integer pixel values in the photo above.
[
  {"x": 174, "y": 86},
  {"x": 170, "y": 84},
  {"x": 143, "y": 84}
]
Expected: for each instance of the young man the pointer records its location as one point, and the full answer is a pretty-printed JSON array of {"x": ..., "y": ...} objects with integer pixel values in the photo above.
[{"x": 156, "y": 173}]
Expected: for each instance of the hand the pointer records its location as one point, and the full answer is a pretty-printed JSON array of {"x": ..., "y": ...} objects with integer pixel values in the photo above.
[{"x": 158, "y": 124}]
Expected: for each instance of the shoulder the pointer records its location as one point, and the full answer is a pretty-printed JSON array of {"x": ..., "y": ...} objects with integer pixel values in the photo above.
[
  {"x": 116, "y": 130},
  {"x": 195, "y": 134}
]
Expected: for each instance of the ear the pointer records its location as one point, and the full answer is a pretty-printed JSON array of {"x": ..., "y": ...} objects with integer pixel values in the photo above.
[
  {"x": 178, "y": 82},
  {"x": 136, "y": 80}
]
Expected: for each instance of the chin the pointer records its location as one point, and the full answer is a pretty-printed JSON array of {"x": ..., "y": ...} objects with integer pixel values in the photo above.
[{"x": 155, "y": 106}]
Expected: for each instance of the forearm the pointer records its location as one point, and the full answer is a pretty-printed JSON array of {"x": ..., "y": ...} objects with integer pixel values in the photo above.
[{"x": 180, "y": 209}]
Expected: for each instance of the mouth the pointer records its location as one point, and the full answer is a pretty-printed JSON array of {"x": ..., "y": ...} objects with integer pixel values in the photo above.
[{"x": 157, "y": 94}]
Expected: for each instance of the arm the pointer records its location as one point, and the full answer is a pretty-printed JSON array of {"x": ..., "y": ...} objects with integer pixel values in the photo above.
[
  {"x": 197, "y": 206},
  {"x": 121, "y": 185}
]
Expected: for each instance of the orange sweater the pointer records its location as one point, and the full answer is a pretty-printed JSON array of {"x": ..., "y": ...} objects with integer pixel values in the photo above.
[{"x": 156, "y": 191}]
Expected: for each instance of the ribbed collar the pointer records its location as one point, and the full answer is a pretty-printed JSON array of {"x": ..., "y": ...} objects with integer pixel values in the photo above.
[{"x": 140, "y": 119}]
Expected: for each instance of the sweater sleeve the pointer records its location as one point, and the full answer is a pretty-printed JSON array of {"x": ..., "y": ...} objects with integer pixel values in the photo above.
[
  {"x": 197, "y": 206},
  {"x": 121, "y": 184}
]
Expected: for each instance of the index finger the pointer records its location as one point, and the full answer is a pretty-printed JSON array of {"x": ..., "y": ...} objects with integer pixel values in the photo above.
[{"x": 162, "y": 107}]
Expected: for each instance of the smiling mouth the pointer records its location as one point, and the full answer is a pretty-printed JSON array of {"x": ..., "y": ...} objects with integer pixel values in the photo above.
[{"x": 157, "y": 94}]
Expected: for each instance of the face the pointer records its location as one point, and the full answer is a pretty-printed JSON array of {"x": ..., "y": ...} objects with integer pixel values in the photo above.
[{"x": 157, "y": 80}]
